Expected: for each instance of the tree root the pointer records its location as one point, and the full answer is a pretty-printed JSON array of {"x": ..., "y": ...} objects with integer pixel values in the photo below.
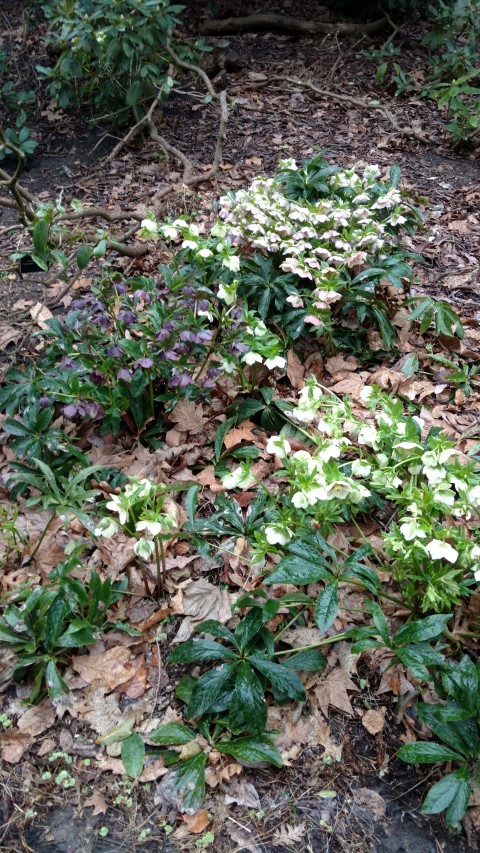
[
  {"x": 349, "y": 99},
  {"x": 280, "y": 23}
]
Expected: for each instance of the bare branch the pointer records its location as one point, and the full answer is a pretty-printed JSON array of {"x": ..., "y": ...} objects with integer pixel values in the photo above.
[{"x": 280, "y": 23}]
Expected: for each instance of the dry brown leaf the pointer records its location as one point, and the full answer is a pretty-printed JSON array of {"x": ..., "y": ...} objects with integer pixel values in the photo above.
[
  {"x": 338, "y": 363},
  {"x": 175, "y": 438},
  {"x": 371, "y": 802},
  {"x": 153, "y": 771},
  {"x": 97, "y": 800},
  {"x": 242, "y": 432},
  {"x": 188, "y": 417},
  {"x": 197, "y": 822},
  {"x": 207, "y": 478},
  {"x": 295, "y": 370},
  {"x": 460, "y": 226},
  {"x": 37, "y": 718},
  {"x": 40, "y": 314},
  {"x": 308, "y": 729},
  {"x": 14, "y": 744},
  {"x": 199, "y": 600},
  {"x": 374, "y": 721},
  {"x": 332, "y": 692},
  {"x": 289, "y": 836},
  {"x": 350, "y": 386},
  {"x": 107, "y": 669},
  {"x": 8, "y": 335}
]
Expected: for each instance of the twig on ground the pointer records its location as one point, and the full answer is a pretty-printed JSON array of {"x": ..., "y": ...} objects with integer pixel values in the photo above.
[{"x": 349, "y": 99}]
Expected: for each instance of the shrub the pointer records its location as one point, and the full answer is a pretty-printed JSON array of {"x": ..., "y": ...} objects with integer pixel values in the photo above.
[{"x": 111, "y": 52}]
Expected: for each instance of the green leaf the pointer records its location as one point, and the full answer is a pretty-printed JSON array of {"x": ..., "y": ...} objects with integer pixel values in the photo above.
[
  {"x": 380, "y": 622},
  {"x": 55, "y": 683},
  {"x": 310, "y": 660},
  {"x": 285, "y": 684},
  {"x": 133, "y": 755},
  {"x": 200, "y": 650},
  {"x": 216, "y": 629},
  {"x": 191, "y": 503},
  {"x": 326, "y": 607},
  {"x": 297, "y": 571},
  {"x": 171, "y": 733},
  {"x": 251, "y": 750},
  {"x": 248, "y": 709},
  {"x": 451, "y": 793},
  {"x": 220, "y": 435},
  {"x": 83, "y": 256},
  {"x": 133, "y": 93},
  {"x": 190, "y": 782},
  {"x": 208, "y": 687},
  {"x": 424, "y": 629},
  {"x": 40, "y": 237},
  {"x": 100, "y": 249},
  {"x": 249, "y": 626},
  {"x": 54, "y": 622},
  {"x": 427, "y": 753}
]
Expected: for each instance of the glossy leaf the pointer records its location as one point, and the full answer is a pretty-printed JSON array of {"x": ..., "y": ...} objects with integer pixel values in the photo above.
[{"x": 133, "y": 755}]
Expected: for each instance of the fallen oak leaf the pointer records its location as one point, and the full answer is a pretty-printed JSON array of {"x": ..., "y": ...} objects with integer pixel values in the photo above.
[
  {"x": 107, "y": 668},
  {"x": 332, "y": 692},
  {"x": 98, "y": 803},
  {"x": 289, "y": 836},
  {"x": 242, "y": 432},
  {"x": 188, "y": 417}
]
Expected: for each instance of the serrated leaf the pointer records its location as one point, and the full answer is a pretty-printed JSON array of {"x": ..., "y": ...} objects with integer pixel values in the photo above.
[
  {"x": 326, "y": 607},
  {"x": 423, "y": 629},
  {"x": 208, "y": 687},
  {"x": 296, "y": 570},
  {"x": 200, "y": 650},
  {"x": 133, "y": 755},
  {"x": 285, "y": 683},
  {"x": 248, "y": 709},
  {"x": 190, "y": 782},
  {"x": 446, "y": 791},
  {"x": 310, "y": 660},
  {"x": 427, "y": 753},
  {"x": 251, "y": 750},
  {"x": 171, "y": 733}
]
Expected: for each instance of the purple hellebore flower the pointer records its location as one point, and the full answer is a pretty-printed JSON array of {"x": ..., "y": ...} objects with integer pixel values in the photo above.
[
  {"x": 73, "y": 409},
  {"x": 203, "y": 304},
  {"x": 181, "y": 348},
  {"x": 143, "y": 362},
  {"x": 180, "y": 380},
  {"x": 120, "y": 287},
  {"x": 187, "y": 336},
  {"x": 237, "y": 348},
  {"x": 125, "y": 374},
  {"x": 102, "y": 320},
  {"x": 237, "y": 313},
  {"x": 213, "y": 372},
  {"x": 67, "y": 364},
  {"x": 207, "y": 383},
  {"x": 97, "y": 377},
  {"x": 94, "y": 411},
  {"x": 116, "y": 351},
  {"x": 127, "y": 316},
  {"x": 44, "y": 403},
  {"x": 170, "y": 355}
]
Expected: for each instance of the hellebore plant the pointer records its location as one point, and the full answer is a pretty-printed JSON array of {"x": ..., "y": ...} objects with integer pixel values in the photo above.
[
  {"x": 139, "y": 511},
  {"x": 354, "y": 468}
]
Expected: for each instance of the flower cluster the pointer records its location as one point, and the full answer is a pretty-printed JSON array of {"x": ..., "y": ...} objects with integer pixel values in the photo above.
[
  {"x": 322, "y": 243},
  {"x": 139, "y": 509},
  {"x": 354, "y": 466}
]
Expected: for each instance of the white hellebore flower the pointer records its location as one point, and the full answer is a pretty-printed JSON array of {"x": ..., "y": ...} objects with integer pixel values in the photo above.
[
  {"x": 368, "y": 436},
  {"x": 473, "y": 496},
  {"x": 239, "y": 478},
  {"x": 106, "y": 527},
  {"x": 150, "y": 227},
  {"x": 252, "y": 358},
  {"x": 338, "y": 490},
  {"x": 410, "y": 529},
  {"x": 277, "y": 361},
  {"x": 116, "y": 506},
  {"x": 439, "y": 550},
  {"x": 279, "y": 446},
  {"x": 360, "y": 468},
  {"x": 232, "y": 263},
  {"x": 277, "y": 535},
  {"x": 153, "y": 527},
  {"x": 228, "y": 295},
  {"x": 143, "y": 548}
]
